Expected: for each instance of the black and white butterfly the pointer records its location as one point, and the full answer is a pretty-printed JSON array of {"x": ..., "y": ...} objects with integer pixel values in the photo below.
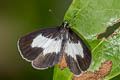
[{"x": 46, "y": 47}]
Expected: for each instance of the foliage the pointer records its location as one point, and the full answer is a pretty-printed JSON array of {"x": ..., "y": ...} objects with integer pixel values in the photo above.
[{"x": 89, "y": 18}]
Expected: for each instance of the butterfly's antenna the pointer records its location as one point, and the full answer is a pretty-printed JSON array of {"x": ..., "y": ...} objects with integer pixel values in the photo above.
[
  {"x": 73, "y": 19},
  {"x": 79, "y": 10},
  {"x": 71, "y": 23},
  {"x": 53, "y": 14}
]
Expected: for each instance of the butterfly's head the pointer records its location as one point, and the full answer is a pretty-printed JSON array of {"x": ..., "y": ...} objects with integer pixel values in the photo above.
[{"x": 65, "y": 25}]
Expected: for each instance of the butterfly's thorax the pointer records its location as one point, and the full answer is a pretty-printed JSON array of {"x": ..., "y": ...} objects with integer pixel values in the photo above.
[{"x": 64, "y": 30}]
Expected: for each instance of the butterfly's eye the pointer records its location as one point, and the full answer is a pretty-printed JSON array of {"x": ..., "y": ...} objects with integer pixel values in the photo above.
[{"x": 65, "y": 24}]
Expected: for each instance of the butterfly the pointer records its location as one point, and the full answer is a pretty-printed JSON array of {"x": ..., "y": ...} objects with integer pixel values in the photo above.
[{"x": 46, "y": 47}]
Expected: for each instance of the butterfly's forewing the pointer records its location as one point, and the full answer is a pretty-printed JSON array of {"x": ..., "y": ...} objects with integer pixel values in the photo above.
[
  {"x": 78, "y": 56},
  {"x": 42, "y": 47}
]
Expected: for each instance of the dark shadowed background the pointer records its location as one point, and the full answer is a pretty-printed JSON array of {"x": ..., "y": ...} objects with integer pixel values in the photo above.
[{"x": 18, "y": 17}]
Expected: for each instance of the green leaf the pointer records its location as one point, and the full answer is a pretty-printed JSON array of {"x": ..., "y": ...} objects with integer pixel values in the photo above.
[
  {"x": 62, "y": 74},
  {"x": 116, "y": 78},
  {"x": 89, "y": 18}
]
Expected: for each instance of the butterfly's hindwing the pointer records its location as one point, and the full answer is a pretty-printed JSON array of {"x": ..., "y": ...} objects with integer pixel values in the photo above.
[
  {"x": 78, "y": 56},
  {"x": 42, "y": 47},
  {"x": 45, "y": 61}
]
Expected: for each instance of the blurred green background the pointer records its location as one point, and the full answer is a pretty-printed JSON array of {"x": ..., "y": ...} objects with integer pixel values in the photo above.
[{"x": 18, "y": 17}]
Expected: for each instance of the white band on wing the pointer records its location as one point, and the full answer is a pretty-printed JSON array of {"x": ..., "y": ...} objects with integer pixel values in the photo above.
[
  {"x": 73, "y": 49},
  {"x": 49, "y": 45}
]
